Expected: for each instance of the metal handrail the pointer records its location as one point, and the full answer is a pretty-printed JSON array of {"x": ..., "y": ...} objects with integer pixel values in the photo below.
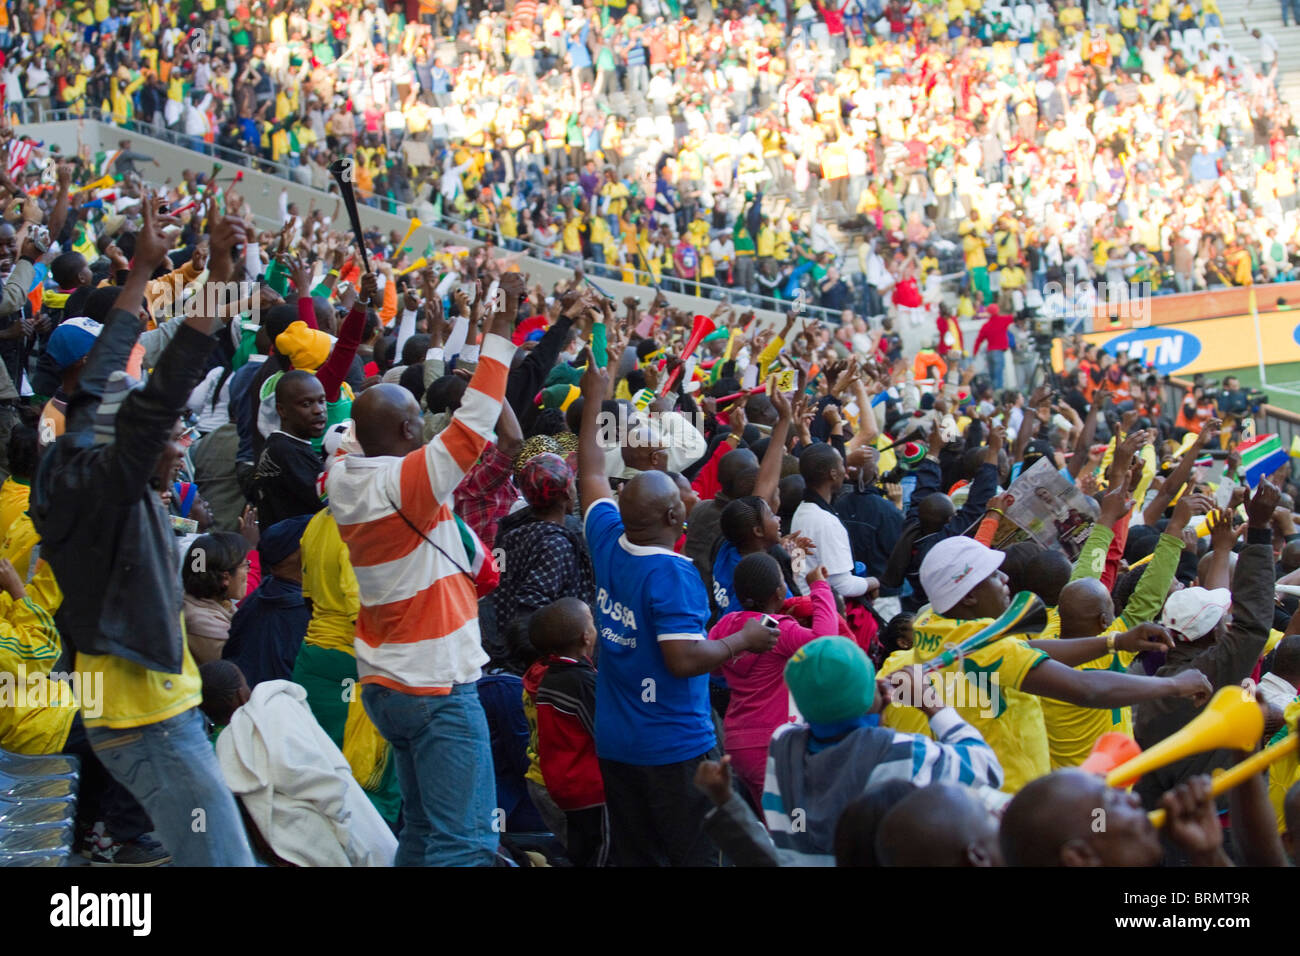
[{"x": 466, "y": 227}]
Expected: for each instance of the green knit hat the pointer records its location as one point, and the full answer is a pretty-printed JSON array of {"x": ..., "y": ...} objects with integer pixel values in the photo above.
[{"x": 832, "y": 680}]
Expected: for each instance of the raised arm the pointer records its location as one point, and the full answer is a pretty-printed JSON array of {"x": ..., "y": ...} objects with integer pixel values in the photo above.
[
  {"x": 147, "y": 416},
  {"x": 335, "y": 368},
  {"x": 769, "y": 470},
  {"x": 592, "y": 483},
  {"x": 455, "y": 449},
  {"x": 1082, "y": 446},
  {"x": 1108, "y": 689}
]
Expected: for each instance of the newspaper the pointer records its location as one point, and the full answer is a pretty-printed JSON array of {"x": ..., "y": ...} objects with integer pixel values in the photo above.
[{"x": 1043, "y": 506}]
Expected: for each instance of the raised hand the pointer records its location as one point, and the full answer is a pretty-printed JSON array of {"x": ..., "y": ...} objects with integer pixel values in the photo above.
[
  {"x": 1145, "y": 637},
  {"x": 1260, "y": 507},
  {"x": 370, "y": 291},
  {"x": 226, "y": 234},
  {"x": 1222, "y": 534},
  {"x": 151, "y": 244},
  {"x": 595, "y": 380}
]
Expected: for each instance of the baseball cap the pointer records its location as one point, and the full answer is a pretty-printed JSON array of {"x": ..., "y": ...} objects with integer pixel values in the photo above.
[
  {"x": 832, "y": 680},
  {"x": 1193, "y": 612},
  {"x": 955, "y": 567},
  {"x": 1036, "y": 449},
  {"x": 72, "y": 340}
]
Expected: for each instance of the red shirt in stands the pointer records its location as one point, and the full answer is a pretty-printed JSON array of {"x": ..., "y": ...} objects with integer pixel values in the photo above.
[{"x": 994, "y": 332}]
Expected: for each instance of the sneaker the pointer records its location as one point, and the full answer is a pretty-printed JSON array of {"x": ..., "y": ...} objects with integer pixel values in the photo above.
[
  {"x": 144, "y": 850},
  {"x": 95, "y": 839}
]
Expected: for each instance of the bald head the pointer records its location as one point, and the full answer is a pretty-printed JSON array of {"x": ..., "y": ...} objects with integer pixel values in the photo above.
[
  {"x": 939, "y": 825},
  {"x": 1086, "y": 608},
  {"x": 1203, "y": 566},
  {"x": 935, "y": 511},
  {"x": 652, "y": 510},
  {"x": 1291, "y": 556},
  {"x": 1071, "y": 818},
  {"x": 1286, "y": 658},
  {"x": 388, "y": 421},
  {"x": 644, "y": 448},
  {"x": 737, "y": 473}
]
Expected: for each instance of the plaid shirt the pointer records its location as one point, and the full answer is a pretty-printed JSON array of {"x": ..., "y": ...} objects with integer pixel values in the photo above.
[{"x": 486, "y": 494}]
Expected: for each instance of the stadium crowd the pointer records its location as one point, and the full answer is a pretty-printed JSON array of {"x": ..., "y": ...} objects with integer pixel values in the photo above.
[
  {"x": 1021, "y": 144},
  {"x": 433, "y": 566}
]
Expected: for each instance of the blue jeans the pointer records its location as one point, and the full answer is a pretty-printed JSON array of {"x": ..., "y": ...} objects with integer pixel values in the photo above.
[
  {"x": 997, "y": 366},
  {"x": 444, "y": 767},
  {"x": 172, "y": 770}
]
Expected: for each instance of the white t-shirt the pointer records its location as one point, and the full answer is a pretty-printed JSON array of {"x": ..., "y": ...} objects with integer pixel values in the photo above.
[
  {"x": 830, "y": 539},
  {"x": 1267, "y": 50}
]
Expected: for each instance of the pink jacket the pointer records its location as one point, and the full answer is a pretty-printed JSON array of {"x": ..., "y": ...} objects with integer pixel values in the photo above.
[{"x": 760, "y": 701}]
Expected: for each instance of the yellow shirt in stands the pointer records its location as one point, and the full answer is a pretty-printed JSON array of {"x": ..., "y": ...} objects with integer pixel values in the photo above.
[
  {"x": 973, "y": 249},
  {"x": 329, "y": 582},
  {"x": 36, "y": 713},
  {"x": 18, "y": 543},
  {"x": 135, "y": 696},
  {"x": 1010, "y": 721},
  {"x": 1284, "y": 773},
  {"x": 13, "y": 502},
  {"x": 572, "y": 236},
  {"x": 1073, "y": 730},
  {"x": 617, "y": 194}
]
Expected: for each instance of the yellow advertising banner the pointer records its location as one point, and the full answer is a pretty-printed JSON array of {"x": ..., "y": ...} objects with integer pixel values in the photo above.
[{"x": 1207, "y": 345}]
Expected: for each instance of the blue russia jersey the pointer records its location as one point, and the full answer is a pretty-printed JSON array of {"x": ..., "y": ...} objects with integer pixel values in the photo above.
[{"x": 644, "y": 715}]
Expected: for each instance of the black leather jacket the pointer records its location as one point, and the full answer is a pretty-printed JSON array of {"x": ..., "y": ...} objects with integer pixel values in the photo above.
[{"x": 103, "y": 530}]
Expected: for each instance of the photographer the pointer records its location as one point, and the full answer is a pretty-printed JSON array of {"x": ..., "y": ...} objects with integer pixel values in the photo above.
[{"x": 1234, "y": 404}]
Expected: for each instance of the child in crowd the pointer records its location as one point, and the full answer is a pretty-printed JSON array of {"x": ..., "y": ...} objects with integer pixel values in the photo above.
[
  {"x": 759, "y": 700},
  {"x": 562, "y": 682}
]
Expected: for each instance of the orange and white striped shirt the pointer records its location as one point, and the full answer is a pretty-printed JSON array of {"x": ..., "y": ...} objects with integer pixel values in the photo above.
[{"x": 418, "y": 630}]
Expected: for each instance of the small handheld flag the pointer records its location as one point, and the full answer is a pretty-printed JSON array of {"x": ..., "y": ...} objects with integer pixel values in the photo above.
[{"x": 1260, "y": 458}]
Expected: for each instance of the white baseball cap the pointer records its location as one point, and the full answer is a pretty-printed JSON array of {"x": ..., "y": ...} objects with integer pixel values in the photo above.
[
  {"x": 955, "y": 567},
  {"x": 1193, "y": 612}
]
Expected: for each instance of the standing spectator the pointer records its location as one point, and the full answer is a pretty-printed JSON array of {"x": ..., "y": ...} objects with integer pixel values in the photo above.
[
  {"x": 653, "y": 719},
  {"x": 993, "y": 333},
  {"x": 124, "y": 620},
  {"x": 391, "y": 506}
]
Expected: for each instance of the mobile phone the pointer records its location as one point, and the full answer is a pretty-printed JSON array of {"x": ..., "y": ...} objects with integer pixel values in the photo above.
[
  {"x": 470, "y": 290},
  {"x": 769, "y": 621}
]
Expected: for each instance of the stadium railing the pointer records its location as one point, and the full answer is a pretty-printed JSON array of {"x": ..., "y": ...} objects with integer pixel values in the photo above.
[{"x": 36, "y": 111}]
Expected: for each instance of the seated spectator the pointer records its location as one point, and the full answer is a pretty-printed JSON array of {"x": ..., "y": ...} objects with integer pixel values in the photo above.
[
  {"x": 267, "y": 630},
  {"x": 215, "y": 576},
  {"x": 818, "y": 768},
  {"x": 294, "y": 783}
]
